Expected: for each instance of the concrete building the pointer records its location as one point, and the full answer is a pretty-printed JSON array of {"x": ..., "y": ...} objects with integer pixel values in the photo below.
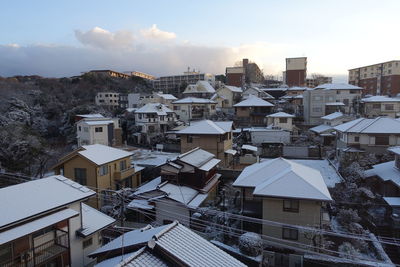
[
  {"x": 46, "y": 223},
  {"x": 377, "y": 79},
  {"x": 286, "y": 192},
  {"x": 296, "y": 71},
  {"x": 110, "y": 99},
  {"x": 134, "y": 100},
  {"x": 375, "y": 106},
  {"x": 193, "y": 108},
  {"x": 367, "y": 135},
  {"x": 201, "y": 89},
  {"x": 104, "y": 131},
  {"x": 109, "y": 73},
  {"x": 99, "y": 166},
  {"x": 142, "y": 75},
  {"x": 252, "y": 111},
  {"x": 314, "y": 82},
  {"x": 212, "y": 136},
  {"x": 174, "y": 83},
  {"x": 248, "y": 72},
  {"x": 281, "y": 120},
  {"x": 328, "y": 98},
  {"x": 154, "y": 119},
  {"x": 235, "y": 76}
]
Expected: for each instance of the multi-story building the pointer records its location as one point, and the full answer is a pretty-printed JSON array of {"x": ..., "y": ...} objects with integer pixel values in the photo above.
[
  {"x": 328, "y": 98},
  {"x": 104, "y": 131},
  {"x": 313, "y": 82},
  {"x": 296, "y": 71},
  {"x": 248, "y": 72},
  {"x": 123, "y": 101},
  {"x": 110, "y": 99},
  {"x": 134, "y": 100},
  {"x": 253, "y": 74},
  {"x": 142, "y": 75},
  {"x": 285, "y": 192},
  {"x": 173, "y": 84},
  {"x": 367, "y": 135},
  {"x": 109, "y": 73},
  {"x": 154, "y": 119},
  {"x": 193, "y": 108},
  {"x": 212, "y": 136},
  {"x": 46, "y": 223},
  {"x": 235, "y": 76},
  {"x": 375, "y": 106},
  {"x": 378, "y": 79},
  {"x": 252, "y": 111},
  {"x": 101, "y": 167}
]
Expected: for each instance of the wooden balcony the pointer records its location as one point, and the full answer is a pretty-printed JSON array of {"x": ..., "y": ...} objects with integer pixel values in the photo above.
[{"x": 124, "y": 174}]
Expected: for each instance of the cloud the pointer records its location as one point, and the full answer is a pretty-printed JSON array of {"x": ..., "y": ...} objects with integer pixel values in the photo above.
[
  {"x": 155, "y": 33},
  {"x": 101, "y": 38}
]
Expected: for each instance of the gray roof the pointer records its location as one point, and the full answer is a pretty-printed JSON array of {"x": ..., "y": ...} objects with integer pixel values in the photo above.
[
  {"x": 371, "y": 126},
  {"x": 207, "y": 127}
]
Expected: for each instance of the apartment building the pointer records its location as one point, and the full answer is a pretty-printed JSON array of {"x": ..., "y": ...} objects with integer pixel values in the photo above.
[
  {"x": 109, "y": 73},
  {"x": 377, "y": 79},
  {"x": 194, "y": 108},
  {"x": 110, "y": 99},
  {"x": 286, "y": 192},
  {"x": 328, "y": 98},
  {"x": 212, "y": 136},
  {"x": 296, "y": 71},
  {"x": 235, "y": 76},
  {"x": 101, "y": 167},
  {"x": 45, "y": 222},
  {"x": 367, "y": 135},
  {"x": 142, "y": 75},
  {"x": 314, "y": 82},
  {"x": 154, "y": 119},
  {"x": 173, "y": 84},
  {"x": 104, "y": 131},
  {"x": 252, "y": 111},
  {"x": 248, "y": 72},
  {"x": 375, "y": 106}
]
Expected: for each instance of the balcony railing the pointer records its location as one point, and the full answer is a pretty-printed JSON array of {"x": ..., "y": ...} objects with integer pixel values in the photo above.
[
  {"x": 40, "y": 254},
  {"x": 124, "y": 174}
]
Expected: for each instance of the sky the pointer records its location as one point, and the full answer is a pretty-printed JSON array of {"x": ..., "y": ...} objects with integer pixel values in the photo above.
[{"x": 65, "y": 38}]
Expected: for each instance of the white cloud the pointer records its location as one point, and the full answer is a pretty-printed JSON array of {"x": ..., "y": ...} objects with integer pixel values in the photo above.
[
  {"x": 101, "y": 38},
  {"x": 156, "y": 34}
]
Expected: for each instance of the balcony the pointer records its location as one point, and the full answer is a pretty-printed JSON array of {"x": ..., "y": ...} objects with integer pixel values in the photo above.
[
  {"x": 124, "y": 174},
  {"x": 41, "y": 254}
]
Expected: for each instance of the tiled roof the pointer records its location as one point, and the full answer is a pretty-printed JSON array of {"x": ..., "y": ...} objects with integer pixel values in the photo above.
[
  {"x": 93, "y": 220},
  {"x": 253, "y": 101}
]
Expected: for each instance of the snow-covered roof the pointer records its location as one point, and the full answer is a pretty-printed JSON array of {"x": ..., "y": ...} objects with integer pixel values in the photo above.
[
  {"x": 96, "y": 115},
  {"x": 200, "y": 87},
  {"x": 280, "y": 115},
  {"x": 101, "y": 154},
  {"x": 207, "y": 127},
  {"x": 131, "y": 109},
  {"x": 338, "y": 86},
  {"x": 36, "y": 225},
  {"x": 148, "y": 158},
  {"x": 100, "y": 122},
  {"x": 142, "y": 257},
  {"x": 38, "y": 196},
  {"x": 158, "y": 108},
  {"x": 194, "y": 100},
  {"x": 93, "y": 220},
  {"x": 182, "y": 194},
  {"x": 332, "y": 116},
  {"x": 174, "y": 241},
  {"x": 395, "y": 149},
  {"x": 196, "y": 157},
  {"x": 386, "y": 171},
  {"x": 373, "y": 126},
  {"x": 380, "y": 98},
  {"x": 234, "y": 89},
  {"x": 392, "y": 201},
  {"x": 209, "y": 165},
  {"x": 149, "y": 186},
  {"x": 298, "y": 88},
  {"x": 253, "y": 101},
  {"x": 284, "y": 89},
  {"x": 321, "y": 128},
  {"x": 206, "y": 85},
  {"x": 250, "y": 147},
  {"x": 167, "y": 96},
  {"x": 335, "y": 104},
  {"x": 284, "y": 178}
]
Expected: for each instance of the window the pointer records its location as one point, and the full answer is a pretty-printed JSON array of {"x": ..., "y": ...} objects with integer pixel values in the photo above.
[
  {"x": 5, "y": 252},
  {"x": 356, "y": 139},
  {"x": 122, "y": 165},
  {"x": 382, "y": 140},
  {"x": 176, "y": 107},
  {"x": 290, "y": 233},
  {"x": 317, "y": 109},
  {"x": 98, "y": 129},
  {"x": 79, "y": 128},
  {"x": 87, "y": 243},
  {"x": 376, "y": 106},
  {"x": 290, "y": 205},
  {"x": 282, "y": 120},
  {"x": 317, "y": 98},
  {"x": 389, "y": 107},
  {"x": 103, "y": 170},
  {"x": 337, "y": 92},
  {"x": 80, "y": 176},
  {"x": 189, "y": 139}
]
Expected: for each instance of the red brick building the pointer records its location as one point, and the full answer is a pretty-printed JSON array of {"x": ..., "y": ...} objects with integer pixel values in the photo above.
[{"x": 296, "y": 71}]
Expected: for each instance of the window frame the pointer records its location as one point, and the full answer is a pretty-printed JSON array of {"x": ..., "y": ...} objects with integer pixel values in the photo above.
[{"x": 292, "y": 205}]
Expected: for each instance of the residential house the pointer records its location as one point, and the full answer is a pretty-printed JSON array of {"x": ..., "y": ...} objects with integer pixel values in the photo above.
[
  {"x": 45, "y": 222},
  {"x": 325, "y": 131},
  {"x": 256, "y": 91},
  {"x": 230, "y": 95},
  {"x": 281, "y": 120},
  {"x": 375, "y": 106},
  {"x": 95, "y": 130},
  {"x": 185, "y": 183},
  {"x": 109, "y": 99},
  {"x": 79, "y": 117},
  {"x": 168, "y": 245},
  {"x": 367, "y": 135},
  {"x": 201, "y": 89},
  {"x": 252, "y": 111},
  {"x": 193, "y": 108},
  {"x": 101, "y": 167},
  {"x": 212, "y": 136},
  {"x": 286, "y": 192},
  {"x": 153, "y": 119},
  {"x": 158, "y": 97},
  {"x": 328, "y": 98}
]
